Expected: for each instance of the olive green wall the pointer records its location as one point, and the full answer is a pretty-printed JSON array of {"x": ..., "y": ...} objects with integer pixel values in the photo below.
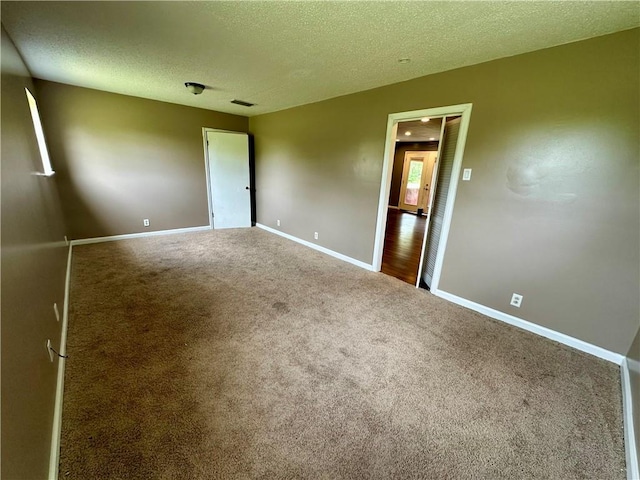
[
  {"x": 122, "y": 159},
  {"x": 552, "y": 211},
  {"x": 33, "y": 269},
  {"x": 633, "y": 360}
]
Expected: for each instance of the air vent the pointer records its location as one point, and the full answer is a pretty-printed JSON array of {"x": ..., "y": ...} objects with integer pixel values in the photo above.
[{"x": 243, "y": 103}]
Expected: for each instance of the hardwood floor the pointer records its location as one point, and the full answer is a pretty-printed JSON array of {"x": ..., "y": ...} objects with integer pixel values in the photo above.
[{"x": 402, "y": 245}]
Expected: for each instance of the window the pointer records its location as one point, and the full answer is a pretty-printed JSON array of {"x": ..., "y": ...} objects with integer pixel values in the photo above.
[{"x": 37, "y": 125}]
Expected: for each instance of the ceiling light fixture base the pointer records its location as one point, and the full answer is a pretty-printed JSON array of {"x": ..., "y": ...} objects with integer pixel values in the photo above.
[{"x": 195, "y": 88}]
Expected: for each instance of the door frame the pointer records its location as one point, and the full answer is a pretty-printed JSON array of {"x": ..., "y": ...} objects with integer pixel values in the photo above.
[
  {"x": 464, "y": 110},
  {"x": 206, "y": 167},
  {"x": 405, "y": 171}
]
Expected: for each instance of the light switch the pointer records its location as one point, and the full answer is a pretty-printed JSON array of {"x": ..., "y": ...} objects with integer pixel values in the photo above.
[{"x": 466, "y": 174}]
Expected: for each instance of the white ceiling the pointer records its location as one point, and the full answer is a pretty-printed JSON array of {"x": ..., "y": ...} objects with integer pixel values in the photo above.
[
  {"x": 281, "y": 54},
  {"x": 420, "y": 131}
]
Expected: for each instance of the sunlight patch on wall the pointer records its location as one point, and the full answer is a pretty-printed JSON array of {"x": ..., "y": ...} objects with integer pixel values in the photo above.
[{"x": 37, "y": 125}]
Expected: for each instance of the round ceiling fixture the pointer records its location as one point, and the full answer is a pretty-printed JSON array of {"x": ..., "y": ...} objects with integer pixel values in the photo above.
[
  {"x": 407, "y": 133},
  {"x": 195, "y": 88}
]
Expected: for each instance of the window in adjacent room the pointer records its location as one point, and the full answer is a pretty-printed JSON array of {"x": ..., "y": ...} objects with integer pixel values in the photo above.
[{"x": 37, "y": 125}]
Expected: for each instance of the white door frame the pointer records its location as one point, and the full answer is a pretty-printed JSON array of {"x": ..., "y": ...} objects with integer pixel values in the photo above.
[
  {"x": 206, "y": 167},
  {"x": 464, "y": 110}
]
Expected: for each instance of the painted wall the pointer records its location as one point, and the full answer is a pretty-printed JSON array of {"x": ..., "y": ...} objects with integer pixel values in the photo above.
[
  {"x": 33, "y": 270},
  {"x": 633, "y": 359},
  {"x": 553, "y": 208},
  {"x": 121, "y": 159},
  {"x": 398, "y": 164}
]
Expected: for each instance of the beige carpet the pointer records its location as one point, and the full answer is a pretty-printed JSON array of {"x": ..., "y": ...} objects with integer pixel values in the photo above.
[{"x": 239, "y": 354}]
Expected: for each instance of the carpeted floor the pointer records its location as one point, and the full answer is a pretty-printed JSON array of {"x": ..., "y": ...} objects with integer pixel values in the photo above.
[{"x": 240, "y": 354}]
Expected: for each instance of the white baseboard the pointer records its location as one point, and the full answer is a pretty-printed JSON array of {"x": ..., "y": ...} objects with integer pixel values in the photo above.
[
  {"x": 337, "y": 255},
  {"x": 54, "y": 458},
  {"x": 85, "y": 241},
  {"x": 534, "y": 328},
  {"x": 633, "y": 472}
]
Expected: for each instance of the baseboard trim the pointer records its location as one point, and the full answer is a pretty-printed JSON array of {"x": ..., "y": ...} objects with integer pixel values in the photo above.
[
  {"x": 111, "y": 238},
  {"x": 534, "y": 328},
  {"x": 337, "y": 255},
  {"x": 633, "y": 471},
  {"x": 54, "y": 458}
]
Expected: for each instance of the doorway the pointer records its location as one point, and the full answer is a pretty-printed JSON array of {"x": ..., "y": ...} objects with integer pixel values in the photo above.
[
  {"x": 424, "y": 237},
  {"x": 228, "y": 178},
  {"x": 416, "y": 178}
]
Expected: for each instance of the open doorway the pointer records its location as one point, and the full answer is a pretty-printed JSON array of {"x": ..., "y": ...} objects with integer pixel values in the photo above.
[
  {"x": 422, "y": 165},
  {"x": 414, "y": 160}
]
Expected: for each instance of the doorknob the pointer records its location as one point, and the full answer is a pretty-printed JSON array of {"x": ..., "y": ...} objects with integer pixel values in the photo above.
[{"x": 246, "y": 188}]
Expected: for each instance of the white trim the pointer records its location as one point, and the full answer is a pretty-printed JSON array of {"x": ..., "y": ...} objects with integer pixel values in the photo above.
[
  {"x": 534, "y": 328},
  {"x": 633, "y": 472},
  {"x": 207, "y": 174},
  {"x": 54, "y": 458},
  {"x": 385, "y": 182},
  {"x": 85, "y": 241},
  {"x": 385, "y": 190},
  {"x": 337, "y": 255}
]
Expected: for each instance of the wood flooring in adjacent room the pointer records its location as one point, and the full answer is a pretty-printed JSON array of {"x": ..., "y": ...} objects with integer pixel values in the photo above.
[
  {"x": 403, "y": 245},
  {"x": 238, "y": 354}
]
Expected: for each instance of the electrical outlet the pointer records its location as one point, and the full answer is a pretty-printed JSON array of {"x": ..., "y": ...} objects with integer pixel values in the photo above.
[
  {"x": 315, "y": 235},
  {"x": 466, "y": 174},
  {"x": 55, "y": 310},
  {"x": 278, "y": 222},
  {"x": 145, "y": 222},
  {"x": 516, "y": 300},
  {"x": 49, "y": 350}
]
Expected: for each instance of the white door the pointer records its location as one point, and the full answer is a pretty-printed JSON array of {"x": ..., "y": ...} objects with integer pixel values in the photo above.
[
  {"x": 228, "y": 154},
  {"x": 425, "y": 192},
  {"x": 414, "y": 178}
]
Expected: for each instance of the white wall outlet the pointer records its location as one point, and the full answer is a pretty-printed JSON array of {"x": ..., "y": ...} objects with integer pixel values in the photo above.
[
  {"x": 55, "y": 310},
  {"x": 145, "y": 222},
  {"x": 315, "y": 235},
  {"x": 516, "y": 300},
  {"x": 49, "y": 350},
  {"x": 466, "y": 174},
  {"x": 278, "y": 222}
]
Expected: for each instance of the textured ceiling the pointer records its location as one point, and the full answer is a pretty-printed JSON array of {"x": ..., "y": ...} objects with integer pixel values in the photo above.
[{"x": 281, "y": 54}]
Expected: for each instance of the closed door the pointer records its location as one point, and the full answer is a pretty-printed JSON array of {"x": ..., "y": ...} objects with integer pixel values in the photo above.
[
  {"x": 414, "y": 178},
  {"x": 228, "y": 155},
  {"x": 427, "y": 178}
]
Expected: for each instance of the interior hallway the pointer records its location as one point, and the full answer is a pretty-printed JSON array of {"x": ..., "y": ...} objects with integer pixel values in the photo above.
[{"x": 402, "y": 245}]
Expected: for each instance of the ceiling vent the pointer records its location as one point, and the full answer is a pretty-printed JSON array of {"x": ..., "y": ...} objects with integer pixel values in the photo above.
[{"x": 243, "y": 103}]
